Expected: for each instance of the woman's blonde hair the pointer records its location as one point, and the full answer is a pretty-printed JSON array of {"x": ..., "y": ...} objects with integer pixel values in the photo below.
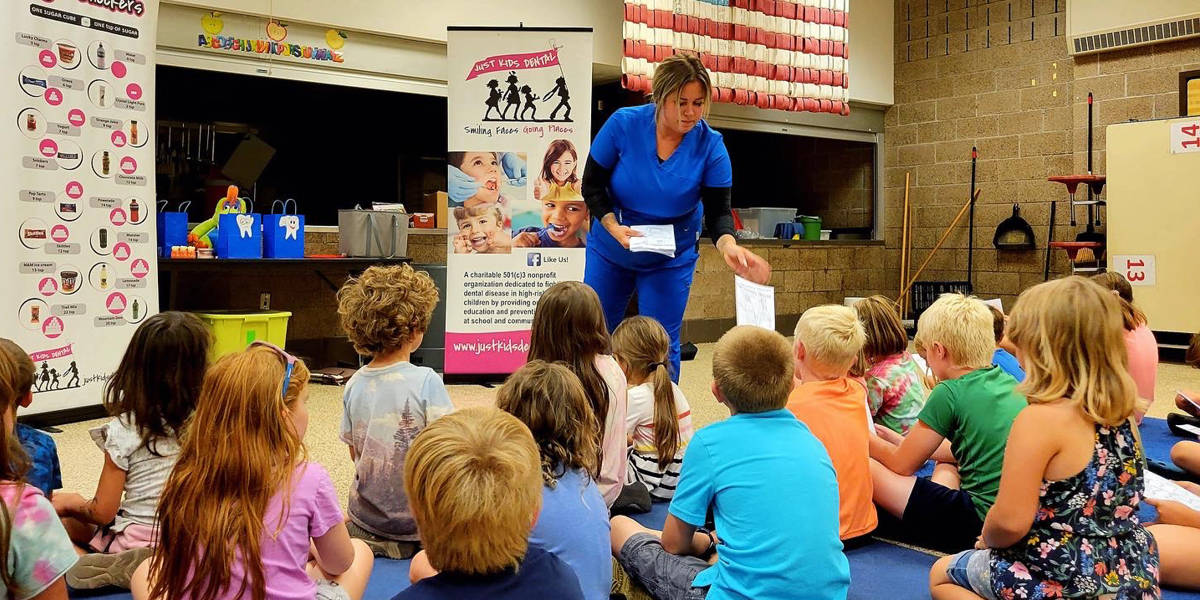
[
  {"x": 880, "y": 318},
  {"x": 642, "y": 345},
  {"x": 1071, "y": 339},
  {"x": 385, "y": 307},
  {"x": 474, "y": 486},
  {"x": 549, "y": 400},
  {"x": 1131, "y": 315},
  {"x": 238, "y": 450},
  {"x": 675, "y": 72}
]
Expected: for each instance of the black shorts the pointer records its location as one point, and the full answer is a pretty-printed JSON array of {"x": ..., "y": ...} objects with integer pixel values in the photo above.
[{"x": 938, "y": 517}]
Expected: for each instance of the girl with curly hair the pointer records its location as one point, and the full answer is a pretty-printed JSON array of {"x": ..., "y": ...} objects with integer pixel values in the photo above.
[{"x": 385, "y": 312}]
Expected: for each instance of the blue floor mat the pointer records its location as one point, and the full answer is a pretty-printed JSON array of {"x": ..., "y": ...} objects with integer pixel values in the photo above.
[{"x": 879, "y": 570}]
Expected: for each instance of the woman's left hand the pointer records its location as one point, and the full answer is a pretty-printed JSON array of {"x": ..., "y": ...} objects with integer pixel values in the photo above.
[{"x": 745, "y": 263}]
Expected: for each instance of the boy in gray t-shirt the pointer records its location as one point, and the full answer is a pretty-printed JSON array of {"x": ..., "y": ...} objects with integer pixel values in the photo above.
[{"x": 385, "y": 312}]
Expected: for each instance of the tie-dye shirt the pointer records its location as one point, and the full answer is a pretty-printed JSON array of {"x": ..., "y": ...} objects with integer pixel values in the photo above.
[
  {"x": 896, "y": 391},
  {"x": 39, "y": 550},
  {"x": 384, "y": 408}
]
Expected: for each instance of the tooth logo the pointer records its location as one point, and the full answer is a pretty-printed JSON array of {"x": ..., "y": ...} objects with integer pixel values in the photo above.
[
  {"x": 291, "y": 225},
  {"x": 244, "y": 225}
]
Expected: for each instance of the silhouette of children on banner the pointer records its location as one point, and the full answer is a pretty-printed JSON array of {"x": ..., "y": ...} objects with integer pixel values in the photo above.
[{"x": 512, "y": 98}]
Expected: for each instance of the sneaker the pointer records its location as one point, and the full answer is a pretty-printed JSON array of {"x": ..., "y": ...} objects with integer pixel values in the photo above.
[
  {"x": 383, "y": 547},
  {"x": 94, "y": 571}
]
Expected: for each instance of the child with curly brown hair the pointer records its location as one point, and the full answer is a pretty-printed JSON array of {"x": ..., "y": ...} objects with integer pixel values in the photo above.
[{"x": 385, "y": 312}]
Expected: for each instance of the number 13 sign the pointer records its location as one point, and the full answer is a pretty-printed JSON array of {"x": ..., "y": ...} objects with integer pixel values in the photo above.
[
  {"x": 1185, "y": 136},
  {"x": 1138, "y": 269}
]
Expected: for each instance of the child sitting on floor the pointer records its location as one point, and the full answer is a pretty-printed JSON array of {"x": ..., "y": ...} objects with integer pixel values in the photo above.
[
  {"x": 385, "y": 312},
  {"x": 44, "y": 473},
  {"x": 573, "y": 523},
  {"x": 1064, "y": 523},
  {"x": 896, "y": 389},
  {"x": 1141, "y": 348},
  {"x": 37, "y": 550},
  {"x": 973, "y": 407},
  {"x": 769, "y": 483},
  {"x": 151, "y": 395},
  {"x": 244, "y": 514},
  {"x": 475, "y": 486},
  {"x": 834, "y": 406},
  {"x": 1003, "y": 358},
  {"x": 659, "y": 420},
  {"x": 568, "y": 326}
]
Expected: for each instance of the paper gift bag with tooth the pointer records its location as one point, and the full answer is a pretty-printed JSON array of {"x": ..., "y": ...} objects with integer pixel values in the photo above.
[
  {"x": 172, "y": 227},
  {"x": 239, "y": 236},
  {"x": 283, "y": 233}
]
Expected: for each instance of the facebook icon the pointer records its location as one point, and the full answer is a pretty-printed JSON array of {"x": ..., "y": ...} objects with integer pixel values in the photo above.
[{"x": 533, "y": 259}]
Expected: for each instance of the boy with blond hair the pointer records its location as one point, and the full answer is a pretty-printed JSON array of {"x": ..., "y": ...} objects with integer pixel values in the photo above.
[
  {"x": 835, "y": 408},
  {"x": 474, "y": 481},
  {"x": 385, "y": 312},
  {"x": 769, "y": 483},
  {"x": 973, "y": 407}
]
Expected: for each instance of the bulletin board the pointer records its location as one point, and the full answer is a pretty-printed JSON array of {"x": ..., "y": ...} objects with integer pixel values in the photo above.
[{"x": 1154, "y": 217}]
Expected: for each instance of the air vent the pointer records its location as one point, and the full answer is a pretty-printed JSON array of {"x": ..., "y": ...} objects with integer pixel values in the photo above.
[{"x": 1140, "y": 35}]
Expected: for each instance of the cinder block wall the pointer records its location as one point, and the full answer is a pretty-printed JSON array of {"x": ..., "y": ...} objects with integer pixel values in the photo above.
[{"x": 960, "y": 82}]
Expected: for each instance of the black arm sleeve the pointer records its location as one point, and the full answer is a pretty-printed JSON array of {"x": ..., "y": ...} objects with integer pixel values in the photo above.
[
  {"x": 718, "y": 219},
  {"x": 595, "y": 189}
]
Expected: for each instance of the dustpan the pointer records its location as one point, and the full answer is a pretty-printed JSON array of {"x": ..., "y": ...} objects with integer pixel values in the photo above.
[{"x": 1014, "y": 233}]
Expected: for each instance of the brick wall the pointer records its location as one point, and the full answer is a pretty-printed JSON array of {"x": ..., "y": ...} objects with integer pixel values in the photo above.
[{"x": 961, "y": 82}]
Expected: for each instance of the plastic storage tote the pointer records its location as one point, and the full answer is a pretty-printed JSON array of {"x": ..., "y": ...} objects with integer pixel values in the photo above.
[
  {"x": 762, "y": 220},
  {"x": 234, "y": 330}
]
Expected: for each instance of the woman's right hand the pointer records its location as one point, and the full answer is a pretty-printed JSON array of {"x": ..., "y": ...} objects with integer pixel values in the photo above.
[{"x": 619, "y": 232}]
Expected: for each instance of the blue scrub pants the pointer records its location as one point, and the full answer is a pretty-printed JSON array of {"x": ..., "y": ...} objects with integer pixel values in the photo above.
[{"x": 662, "y": 294}]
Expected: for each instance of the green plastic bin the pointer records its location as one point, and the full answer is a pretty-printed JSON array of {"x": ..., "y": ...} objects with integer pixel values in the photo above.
[
  {"x": 234, "y": 330},
  {"x": 812, "y": 227}
]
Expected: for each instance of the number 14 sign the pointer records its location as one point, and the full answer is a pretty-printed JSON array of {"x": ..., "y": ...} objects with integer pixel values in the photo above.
[
  {"x": 1138, "y": 269},
  {"x": 1185, "y": 136}
]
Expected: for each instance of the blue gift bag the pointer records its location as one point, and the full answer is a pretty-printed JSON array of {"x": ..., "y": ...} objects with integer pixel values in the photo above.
[
  {"x": 172, "y": 227},
  {"x": 239, "y": 236},
  {"x": 283, "y": 234}
]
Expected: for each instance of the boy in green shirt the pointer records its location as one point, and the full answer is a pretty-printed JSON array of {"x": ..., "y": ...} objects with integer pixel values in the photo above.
[{"x": 972, "y": 408}]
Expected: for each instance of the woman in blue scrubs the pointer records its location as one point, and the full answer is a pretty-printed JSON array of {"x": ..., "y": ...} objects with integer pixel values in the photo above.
[{"x": 660, "y": 164}]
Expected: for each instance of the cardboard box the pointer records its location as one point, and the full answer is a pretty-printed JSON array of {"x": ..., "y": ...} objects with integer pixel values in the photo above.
[
  {"x": 436, "y": 203},
  {"x": 423, "y": 220}
]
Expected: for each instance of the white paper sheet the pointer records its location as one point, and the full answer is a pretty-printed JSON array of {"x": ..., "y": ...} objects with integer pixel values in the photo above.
[
  {"x": 755, "y": 303},
  {"x": 659, "y": 239},
  {"x": 1161, "y": 488},
  {"x": 995, "y": 302},
  {"x": 1190, "y": 428}
]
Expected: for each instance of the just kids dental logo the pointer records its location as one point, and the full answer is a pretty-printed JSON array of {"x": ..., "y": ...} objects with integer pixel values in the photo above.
[{"x": 276, "y": 32}]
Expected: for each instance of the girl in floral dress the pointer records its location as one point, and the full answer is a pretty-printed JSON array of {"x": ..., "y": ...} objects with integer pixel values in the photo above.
[{"x": 1064, "y": 524}]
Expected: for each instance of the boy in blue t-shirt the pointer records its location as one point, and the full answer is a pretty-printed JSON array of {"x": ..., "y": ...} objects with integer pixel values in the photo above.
[
  {"x": 1003, "y": 358},
  {"x": 771, "y": 487}
]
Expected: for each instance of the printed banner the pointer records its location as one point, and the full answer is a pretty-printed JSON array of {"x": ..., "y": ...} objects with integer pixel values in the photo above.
[
  {"x": 78, "y": 166},
  {"x": 518, "y": 141}
]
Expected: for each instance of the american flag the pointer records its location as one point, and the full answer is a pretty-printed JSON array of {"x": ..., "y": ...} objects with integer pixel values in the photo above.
[{"x": 787, "y": 55}]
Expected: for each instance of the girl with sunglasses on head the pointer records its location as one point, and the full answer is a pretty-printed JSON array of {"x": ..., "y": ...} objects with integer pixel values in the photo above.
[
  {"x": 244, "y": 514},
  {"x": 150, "y": 396}
]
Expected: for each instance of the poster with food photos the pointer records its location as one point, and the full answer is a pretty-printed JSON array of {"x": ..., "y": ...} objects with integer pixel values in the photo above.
[
  {"x": 78, "y": 260},
  {"x": 519, "y": 114}
]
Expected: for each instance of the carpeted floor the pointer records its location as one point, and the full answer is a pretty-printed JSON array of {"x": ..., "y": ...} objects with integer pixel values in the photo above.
[{"x": 880, "y": 570}]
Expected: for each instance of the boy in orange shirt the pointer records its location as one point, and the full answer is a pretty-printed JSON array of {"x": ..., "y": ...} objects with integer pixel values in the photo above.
[{"x": 834, "y": 407}]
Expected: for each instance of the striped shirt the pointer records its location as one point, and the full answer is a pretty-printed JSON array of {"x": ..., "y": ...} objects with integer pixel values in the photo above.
[{"x": 643, "y": 455}]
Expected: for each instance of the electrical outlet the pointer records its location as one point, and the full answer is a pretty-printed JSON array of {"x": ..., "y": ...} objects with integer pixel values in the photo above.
[{"x": 264, "y": 301}]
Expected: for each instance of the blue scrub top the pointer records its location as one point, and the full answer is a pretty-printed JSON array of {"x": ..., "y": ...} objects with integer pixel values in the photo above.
[{"x": 645, "y": 191}]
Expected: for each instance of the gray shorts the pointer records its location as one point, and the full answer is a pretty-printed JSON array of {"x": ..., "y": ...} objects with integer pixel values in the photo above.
[
  {"x": 330, "y": 590},
  {"x": 665, "y": 575},
  {"x": 972, "y": 569}
]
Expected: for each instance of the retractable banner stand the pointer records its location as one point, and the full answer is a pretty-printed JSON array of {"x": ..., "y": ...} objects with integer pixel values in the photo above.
[
  {"x": 519, "y": 102},
  {"x": 77, "y": 171}
]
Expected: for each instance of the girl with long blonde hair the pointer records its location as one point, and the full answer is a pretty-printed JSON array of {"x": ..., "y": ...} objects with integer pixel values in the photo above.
[
  {"x": 243, "y": 505},
  {"x": 659, "y": 420},
  {"x": 1064, "y": 523}
]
